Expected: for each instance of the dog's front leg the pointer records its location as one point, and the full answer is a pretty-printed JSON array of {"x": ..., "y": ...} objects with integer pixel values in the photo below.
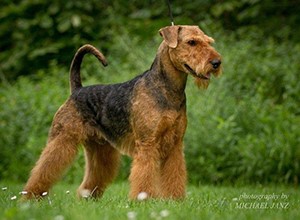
[
  {"x": 174, "y": 175},
  {"x": 145, "y": 171}
]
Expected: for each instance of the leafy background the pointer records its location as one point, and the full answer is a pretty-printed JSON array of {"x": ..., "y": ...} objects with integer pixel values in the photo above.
[{"x": 243, "y": 129}]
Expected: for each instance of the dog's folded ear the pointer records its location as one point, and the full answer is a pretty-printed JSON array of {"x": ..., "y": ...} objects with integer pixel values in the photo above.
[{"x": 170, "y": 35}]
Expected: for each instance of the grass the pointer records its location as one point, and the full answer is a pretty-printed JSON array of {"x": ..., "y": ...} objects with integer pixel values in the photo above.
[{"x": 203, "y": 202}]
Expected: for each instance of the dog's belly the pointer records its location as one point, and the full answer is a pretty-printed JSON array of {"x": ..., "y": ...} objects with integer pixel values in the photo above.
[{"x": 126, "y": 145}]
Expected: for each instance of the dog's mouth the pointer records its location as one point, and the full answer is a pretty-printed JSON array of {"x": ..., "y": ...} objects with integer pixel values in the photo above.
[{"x": 197, "y": 75}]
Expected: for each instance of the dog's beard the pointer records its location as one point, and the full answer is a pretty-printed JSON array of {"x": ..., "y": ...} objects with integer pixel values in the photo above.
[{"x": 202, "y": 83}]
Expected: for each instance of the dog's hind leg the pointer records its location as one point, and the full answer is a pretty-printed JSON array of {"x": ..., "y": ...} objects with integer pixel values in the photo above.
[
  {"x": 102, "y": 163},
  {"x": 64, "y": 137},
  {"x": 55, "y": 158}
]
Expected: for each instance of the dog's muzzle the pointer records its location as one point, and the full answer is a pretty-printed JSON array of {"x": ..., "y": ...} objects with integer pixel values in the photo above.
[{"x": 197, "y": 75}]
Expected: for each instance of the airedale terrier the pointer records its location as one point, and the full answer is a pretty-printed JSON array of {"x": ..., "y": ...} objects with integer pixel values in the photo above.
[{"x": 144, "y": 118}]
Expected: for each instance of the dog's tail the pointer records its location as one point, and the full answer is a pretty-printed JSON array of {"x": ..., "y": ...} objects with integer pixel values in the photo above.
[{"x": 75, "y": 79}]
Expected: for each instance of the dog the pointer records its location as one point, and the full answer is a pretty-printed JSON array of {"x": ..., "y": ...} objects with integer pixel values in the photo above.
[{"x": 144, "y": 118}]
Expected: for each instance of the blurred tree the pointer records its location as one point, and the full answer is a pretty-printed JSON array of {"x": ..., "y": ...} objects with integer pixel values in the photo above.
[
  {"x": 35, "y": 33},
  {"x": 274, "y": 18}
]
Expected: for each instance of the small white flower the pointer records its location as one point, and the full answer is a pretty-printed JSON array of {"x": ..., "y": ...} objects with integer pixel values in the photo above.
[
  {"x": 13, "y": 198},
  {"x": 59, "y": 217},
  {"x": 25, "y": 206},
  {"x": 85, "y": 193},
  {"x": 23, "y": 193},
  {"x": 131, "y": 215},
  {"x": 49, "y": 201},
  {"x": 164, "y": 213},
  {"x": 142, "y": 196},
  {"x": 4, "y": 188},
  {"x": 67, "y": 192},
  {"x": 153, "y": 215},
  {"x": 44, "y": 193}
]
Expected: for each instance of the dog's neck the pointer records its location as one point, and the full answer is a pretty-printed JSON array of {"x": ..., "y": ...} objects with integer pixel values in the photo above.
[{"x": 164, "y": 66}]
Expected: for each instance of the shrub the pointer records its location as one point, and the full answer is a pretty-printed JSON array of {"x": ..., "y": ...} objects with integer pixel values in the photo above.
[{"x": 27, "y": 109}]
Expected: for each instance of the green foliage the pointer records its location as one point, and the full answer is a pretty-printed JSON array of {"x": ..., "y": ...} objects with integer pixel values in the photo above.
[
  {"x": 27, "y": 109},
  {"x": 44, "y": 29},
  {"x": 278, "y": 19}
]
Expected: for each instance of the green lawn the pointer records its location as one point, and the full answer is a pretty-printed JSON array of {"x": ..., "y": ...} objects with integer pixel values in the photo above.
[{"x": 204, "y": 202}]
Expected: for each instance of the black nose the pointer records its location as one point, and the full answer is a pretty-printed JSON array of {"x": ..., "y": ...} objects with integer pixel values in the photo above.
[{"x": 215, "y": 63}]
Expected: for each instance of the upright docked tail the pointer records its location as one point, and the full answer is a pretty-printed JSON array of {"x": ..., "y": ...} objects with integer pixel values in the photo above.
[{"x": 75, "y": 79}]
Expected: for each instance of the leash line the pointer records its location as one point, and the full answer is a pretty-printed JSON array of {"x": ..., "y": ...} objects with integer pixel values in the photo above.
[{"x": 170, "y": 12}]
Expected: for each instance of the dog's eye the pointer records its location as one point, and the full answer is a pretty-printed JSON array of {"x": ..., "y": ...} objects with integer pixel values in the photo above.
[{"x": 192, "y": 42}]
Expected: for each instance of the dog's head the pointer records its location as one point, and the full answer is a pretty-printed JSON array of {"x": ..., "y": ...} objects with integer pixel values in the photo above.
[{"x": 191, "y": 52}]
